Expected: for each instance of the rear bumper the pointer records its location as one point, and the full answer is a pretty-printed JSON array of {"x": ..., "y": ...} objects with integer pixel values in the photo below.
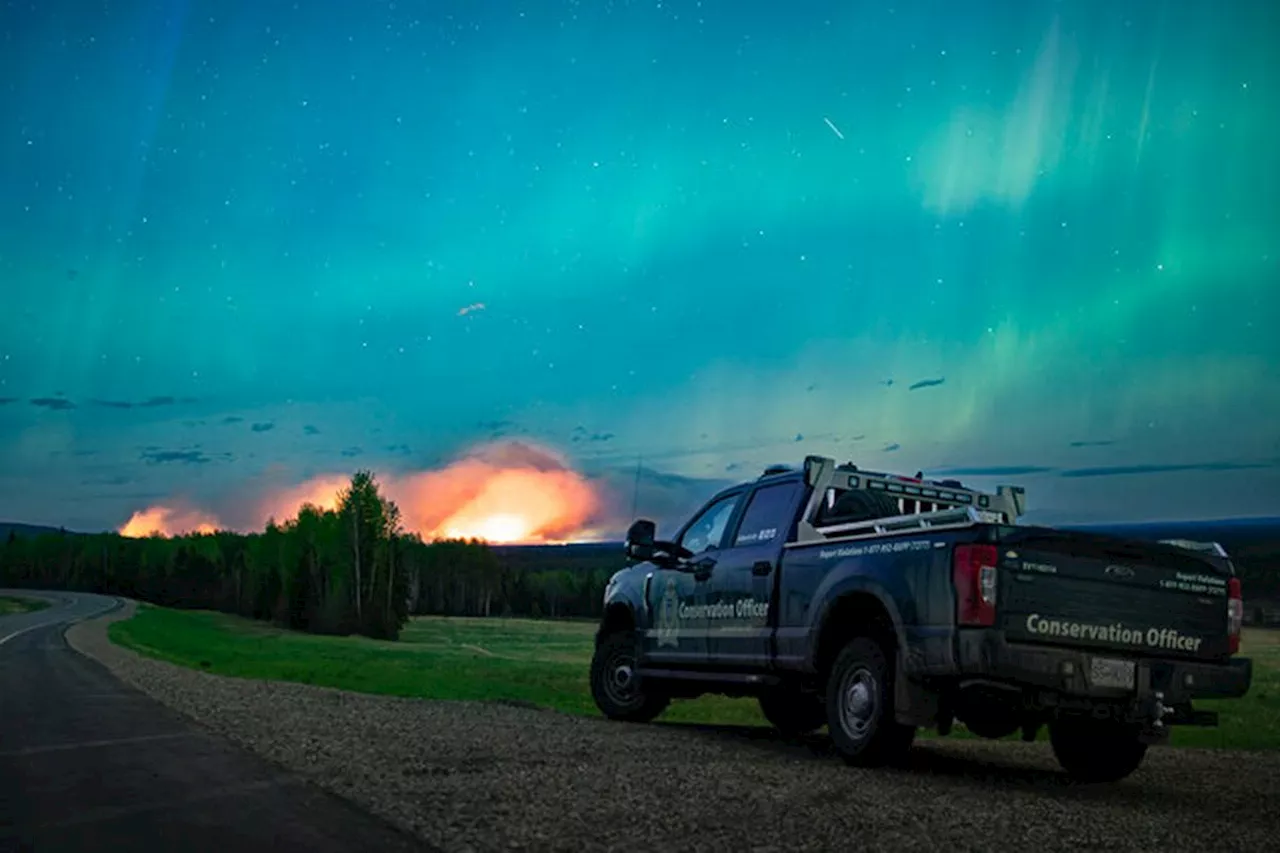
[{"x": 986, "y": 654}]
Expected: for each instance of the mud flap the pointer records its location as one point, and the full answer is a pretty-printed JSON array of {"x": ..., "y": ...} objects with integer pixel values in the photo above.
[{"x": 913, "y": 703}]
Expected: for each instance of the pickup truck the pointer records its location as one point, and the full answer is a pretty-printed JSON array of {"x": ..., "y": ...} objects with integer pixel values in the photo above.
[{"x": 877, "y": 604}]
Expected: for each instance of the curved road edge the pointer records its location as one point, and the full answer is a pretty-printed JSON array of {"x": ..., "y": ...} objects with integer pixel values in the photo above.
[
  {"x": 65, "y": 608},
  {"x": 90, "y": 759}
]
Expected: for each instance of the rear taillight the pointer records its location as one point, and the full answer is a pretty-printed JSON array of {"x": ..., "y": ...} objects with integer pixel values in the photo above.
[
  {"x": 974, "y": 574},
  {"x": 1235, "y": 614}
]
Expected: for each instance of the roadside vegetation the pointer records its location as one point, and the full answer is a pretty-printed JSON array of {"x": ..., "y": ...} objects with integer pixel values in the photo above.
[
  {"x": 10, "y": 605},
  {"x": 539, "y": 662}
]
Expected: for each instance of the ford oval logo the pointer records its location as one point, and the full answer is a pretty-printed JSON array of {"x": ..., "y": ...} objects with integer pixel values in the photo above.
[{"x": 1120, "y": 571}]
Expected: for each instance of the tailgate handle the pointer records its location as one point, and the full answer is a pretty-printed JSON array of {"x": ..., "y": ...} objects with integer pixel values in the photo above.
[{"x": 761, "y": 568}]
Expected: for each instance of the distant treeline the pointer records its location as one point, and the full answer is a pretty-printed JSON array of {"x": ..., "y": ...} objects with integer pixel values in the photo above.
[{"x": 348, "y": 571}]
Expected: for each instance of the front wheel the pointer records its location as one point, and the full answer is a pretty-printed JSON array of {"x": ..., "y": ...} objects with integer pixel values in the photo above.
[
  {"x": 1096, "y": 750},
  {"x": 860, "y": 710},
  {"x": 615, "y": 687}
]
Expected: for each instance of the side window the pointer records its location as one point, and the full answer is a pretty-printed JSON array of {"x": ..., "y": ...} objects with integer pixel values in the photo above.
[
  {"x": 708, "y": 529},
  {"x": 768, "y": 515}
]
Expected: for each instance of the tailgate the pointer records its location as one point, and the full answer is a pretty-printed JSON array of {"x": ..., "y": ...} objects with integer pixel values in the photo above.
[{"x": 1088, "y": 590}]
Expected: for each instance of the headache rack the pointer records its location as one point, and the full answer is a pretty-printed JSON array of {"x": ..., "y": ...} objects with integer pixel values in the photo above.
[{"x": 922, "y": 504}]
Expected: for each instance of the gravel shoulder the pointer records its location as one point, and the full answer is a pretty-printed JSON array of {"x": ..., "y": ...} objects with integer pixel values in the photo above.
[{"x": 476, "y": 776}]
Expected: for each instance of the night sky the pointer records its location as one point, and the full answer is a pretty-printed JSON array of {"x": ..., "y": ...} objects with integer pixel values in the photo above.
[{"x": 243, "y": 244}]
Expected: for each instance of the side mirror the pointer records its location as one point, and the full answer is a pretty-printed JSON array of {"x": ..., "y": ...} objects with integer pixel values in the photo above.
[{"x": 640, "y": 540}]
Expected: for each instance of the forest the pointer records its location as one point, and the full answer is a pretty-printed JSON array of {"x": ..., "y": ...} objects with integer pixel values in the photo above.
[{"x": 352, "y": 570}]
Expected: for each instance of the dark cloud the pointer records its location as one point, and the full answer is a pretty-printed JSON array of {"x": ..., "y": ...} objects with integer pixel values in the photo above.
[
  {"x": 1125, "y": 470},
  {"x": 886, "y": 382},
  {"x": 926, "y": 383},
  {"x": 149, "y": 403},
  {"x": 402, "y": 449},
  {"x": 310, "y": 430},
  {"x": 232, "y": 419},
  {"x": 351, "y": 452},
  {"x": 594, "y": 437},
  {"x": 4, "y": 401},
  {"x": 56, "y": 403},
  {"x": 890, "y": 448},
  {"x": 1092, "y": 443},
  {"x": 580, "y": 433},
  {"x": 992, "y": 471},
  {"x": 263, "y": 427},
  {"x": 186, "y": 457}
]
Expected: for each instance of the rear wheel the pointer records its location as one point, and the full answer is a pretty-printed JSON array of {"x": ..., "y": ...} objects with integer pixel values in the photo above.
[
  {"x": 793, "y": 713},
  {"x": 1096, "y": 750},
  {"x": 616, "y": 688},
  {"x": 860, "y": 710}
]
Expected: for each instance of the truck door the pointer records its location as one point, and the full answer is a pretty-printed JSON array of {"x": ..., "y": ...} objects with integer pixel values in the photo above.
[
  {"x": 677, "y": 635},
  {"x": 740, "y": 589}
]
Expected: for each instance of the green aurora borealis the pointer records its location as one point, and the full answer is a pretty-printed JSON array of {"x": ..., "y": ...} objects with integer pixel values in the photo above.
[{"x": 705, "y": 233}]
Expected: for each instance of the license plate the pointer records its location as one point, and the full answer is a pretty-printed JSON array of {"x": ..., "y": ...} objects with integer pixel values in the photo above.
[{"x": 1110, "y": 672}]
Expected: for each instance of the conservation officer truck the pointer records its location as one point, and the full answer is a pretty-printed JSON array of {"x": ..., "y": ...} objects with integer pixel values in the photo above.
[{"x": 876, "y": 604}]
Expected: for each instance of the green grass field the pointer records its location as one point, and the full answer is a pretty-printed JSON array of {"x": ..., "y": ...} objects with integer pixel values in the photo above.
[
  {"x": 10, "y": 605},
  {"x": 543, "y": 663}
]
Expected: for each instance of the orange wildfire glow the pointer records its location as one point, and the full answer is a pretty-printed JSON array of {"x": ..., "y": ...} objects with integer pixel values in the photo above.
[
  {"x": 497, "y": 501},
  {"x": 503, "y": 493},
  {"x": 168, "y": 521}
]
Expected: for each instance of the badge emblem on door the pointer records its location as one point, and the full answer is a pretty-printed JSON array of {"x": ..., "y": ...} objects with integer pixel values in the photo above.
[{"x": 668, "y": 627}]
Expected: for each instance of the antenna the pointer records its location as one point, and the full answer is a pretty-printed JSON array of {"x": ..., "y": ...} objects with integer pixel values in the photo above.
[{"x": 635, "y": 493}]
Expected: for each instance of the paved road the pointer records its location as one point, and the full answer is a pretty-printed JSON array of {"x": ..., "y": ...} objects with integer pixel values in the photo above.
[{"x": 89, "y": 764}]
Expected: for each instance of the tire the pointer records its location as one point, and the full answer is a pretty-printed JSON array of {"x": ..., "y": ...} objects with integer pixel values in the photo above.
[
  {"x": 617, "y": 691},
  {"x": 859, "y": 706},
  {"x": 861, "y": 505},
  {"x": 793, "y": 713},
  {"x": 1096, "y": 750}
]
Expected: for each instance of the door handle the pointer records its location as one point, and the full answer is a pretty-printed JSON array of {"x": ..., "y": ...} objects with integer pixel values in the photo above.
[{"x": 761, "y": 568}]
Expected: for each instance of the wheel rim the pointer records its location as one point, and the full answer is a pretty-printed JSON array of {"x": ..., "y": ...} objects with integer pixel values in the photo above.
[
  {"x": 859, "y": 703},
  {"x": 620, "y": 679}
]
